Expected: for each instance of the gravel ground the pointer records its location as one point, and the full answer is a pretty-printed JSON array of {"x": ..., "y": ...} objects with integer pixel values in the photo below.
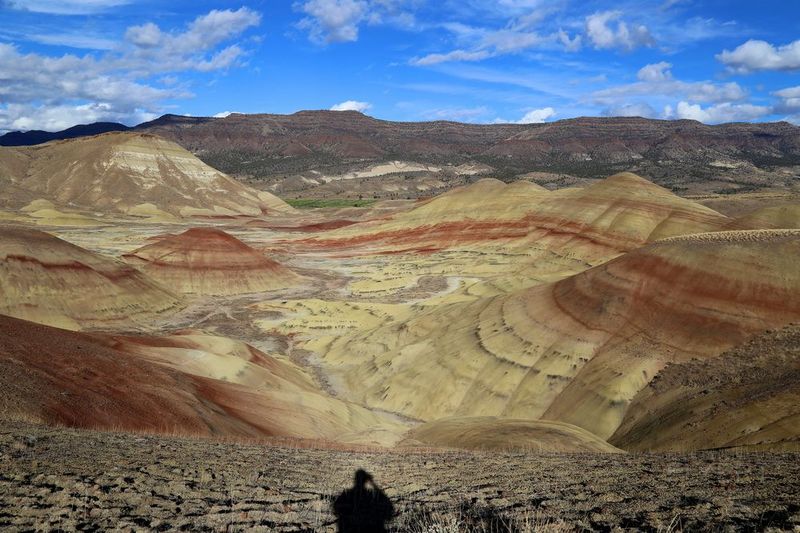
[{"x": 84, "y": 480}]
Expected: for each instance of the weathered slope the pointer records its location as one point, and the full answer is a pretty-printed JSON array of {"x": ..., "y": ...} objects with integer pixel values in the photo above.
[
  {"x": 748, "y": 397},
  {"x": 210, "y": 261},
  {"x": 578, "y": 350},
  {"x": 48, "y": 280},
  {"x": 130, "y": 172},
  {"x": 777, "y": 217},
  {"x": 506, "y": 434},
  {"x": 186, "y": 384},
  {"x": 615, "y": 215}
]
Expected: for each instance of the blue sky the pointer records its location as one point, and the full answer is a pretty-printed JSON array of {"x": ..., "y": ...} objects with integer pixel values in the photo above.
[{"x": 65, "y": 62}]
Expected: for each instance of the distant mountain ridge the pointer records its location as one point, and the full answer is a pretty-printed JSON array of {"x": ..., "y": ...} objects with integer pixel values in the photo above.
[
  {"x": 32, "y": 137},
  {"x": 685, "y": 155}
]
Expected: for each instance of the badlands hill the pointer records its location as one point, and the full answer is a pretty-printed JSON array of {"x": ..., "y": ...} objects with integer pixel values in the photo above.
[
  {"x": 617, "y": 214},
  {"x": 210, "y": 261},
  {"x": 125, "y": 173},
  {"x": 579, "y": 350},
  {"x": 48, "y": 280},
  {"x": 748, "y": 397},
  {"x": 503, "y": 434},
  {"x": 187, "y": 383}
]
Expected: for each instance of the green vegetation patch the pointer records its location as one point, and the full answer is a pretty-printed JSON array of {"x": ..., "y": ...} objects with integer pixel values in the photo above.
[{"x": 311, "y": 203}]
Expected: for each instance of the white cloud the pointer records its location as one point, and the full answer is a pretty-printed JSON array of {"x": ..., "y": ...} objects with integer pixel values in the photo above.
[
  {"x": 655, "y": 72},
  {"x": 333, "y": 21},
  {"x": 59, "y": 117},
  {"x": 570, "y": 44},
  {"x": 657, "y": 80},
  {"x": 66, "y": 7},
  {"x": 459, "y": 114},
  {"x": 603, "y": 35},
  {"x": 223, "y": 114},
  {"x": 510, "y": 40},
  {"x": 637, "y": 109},
  {"x": 757, "y": 55},
  {"x": 789, "y": 100},
  {"x": 475, "y": 43},
  {"x": 726, "y": 112},
  {"x": 32, "y": 77},
  {"x": 455, "y": 55},
  {"x": 146, "y": 35},
  {"x": 352, "y": 105},
  {"x": 74, "y": 40},
  {"x": 154, "y": 50},
  {"x": 45, "y": 92},
  {"x": 789, "y": 92},
  {"x": 535, "y": 116}
]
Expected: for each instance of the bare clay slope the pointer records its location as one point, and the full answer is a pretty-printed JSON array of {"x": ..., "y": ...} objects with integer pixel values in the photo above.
[
  {"x": 748, "y": 397},
  {"x": 187, "y": 383},
  {"x": 578, "y": 350},
  {"x": 506, "y": 434},
  {"x": 131, "y": 173},
  {"x": 48, "y": 280},
  {"x": 614, "y": 215},
  {"x": 210, "y": 261}
]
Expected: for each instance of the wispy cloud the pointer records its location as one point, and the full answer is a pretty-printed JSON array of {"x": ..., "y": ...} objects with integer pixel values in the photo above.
[
  {"x": 42, "y": 91},
  {"x": 64, "y": 7},
  {"x": 657, "y": 80}
]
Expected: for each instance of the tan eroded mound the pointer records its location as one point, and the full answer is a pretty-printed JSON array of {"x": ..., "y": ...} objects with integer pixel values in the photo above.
[
  {"x": 505, "y": 434},
  {"x": 182, "y": 384},
  {"x": 749, "y": 397},
  {"x": 48, "y": 280},
  {"x": 778, "y": 217},
  {"x": 614, "y": 215},
  {"x": 125, "y": 172},
  {"x": 210, "y": 261},
  {"x": 580, "y": 349}
]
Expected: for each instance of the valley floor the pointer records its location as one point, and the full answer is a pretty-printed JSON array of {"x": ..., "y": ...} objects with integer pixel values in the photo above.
[{"x": 71, "y": 479}]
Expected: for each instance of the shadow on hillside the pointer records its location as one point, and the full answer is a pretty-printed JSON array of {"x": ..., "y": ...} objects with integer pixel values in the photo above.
[{"x": 363, "y": 508}]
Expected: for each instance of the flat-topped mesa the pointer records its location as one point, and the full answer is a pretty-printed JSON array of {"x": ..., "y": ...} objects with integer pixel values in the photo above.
[
  {"x": 580, "y": 349},
  {"x": 134, "y": 173},
  {"x": 45, "y": 279},
  {"x": 211, "y": 262}
]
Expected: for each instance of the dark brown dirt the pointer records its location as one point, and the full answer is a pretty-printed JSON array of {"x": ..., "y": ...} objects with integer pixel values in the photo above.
[{"x": 72, "y": 479}]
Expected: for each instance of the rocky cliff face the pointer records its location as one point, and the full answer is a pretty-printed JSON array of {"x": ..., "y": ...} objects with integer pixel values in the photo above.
[
  {"x": 685, "y": 155},
  {"x": 317, "y": 153}
]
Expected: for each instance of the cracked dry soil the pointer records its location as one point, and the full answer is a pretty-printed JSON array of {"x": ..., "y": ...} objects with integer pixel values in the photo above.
[{"x": 54, "y": 478}]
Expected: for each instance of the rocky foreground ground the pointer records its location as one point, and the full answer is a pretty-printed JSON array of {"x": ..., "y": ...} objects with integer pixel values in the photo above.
[{"x": 83, "y": 480}]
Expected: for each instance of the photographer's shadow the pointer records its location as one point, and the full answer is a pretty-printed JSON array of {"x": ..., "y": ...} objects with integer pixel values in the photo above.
[{"x": 364, "y": 508}]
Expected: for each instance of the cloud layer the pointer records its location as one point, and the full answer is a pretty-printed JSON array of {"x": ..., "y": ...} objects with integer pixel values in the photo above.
[{"x": 54, "y": 92}]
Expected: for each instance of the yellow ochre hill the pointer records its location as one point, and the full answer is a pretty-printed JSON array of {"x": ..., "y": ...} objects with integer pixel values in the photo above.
[
  {"x": 48, "y": 280},
  {"x": 126, "y": 173},
  {"x": 210, "y": 261},
  {"x": 578, "y": 350}
]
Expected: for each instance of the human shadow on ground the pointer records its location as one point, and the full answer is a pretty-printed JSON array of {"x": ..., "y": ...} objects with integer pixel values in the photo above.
[{"x": 364, "y": 508}]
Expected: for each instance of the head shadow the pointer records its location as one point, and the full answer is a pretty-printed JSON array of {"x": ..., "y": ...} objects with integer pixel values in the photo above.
[{"x": 363, "y": 508}]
